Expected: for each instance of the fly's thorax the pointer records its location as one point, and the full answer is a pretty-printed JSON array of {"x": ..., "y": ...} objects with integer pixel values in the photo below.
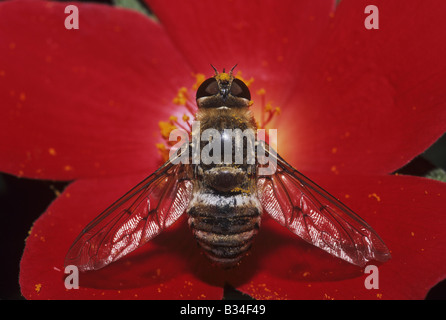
[
  {"x": 226, "y": 118},
  {"x": 227, "y": 137}
]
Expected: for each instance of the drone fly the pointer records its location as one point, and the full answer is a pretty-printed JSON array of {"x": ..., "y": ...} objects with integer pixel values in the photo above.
[{"x": 224, "y": 202}]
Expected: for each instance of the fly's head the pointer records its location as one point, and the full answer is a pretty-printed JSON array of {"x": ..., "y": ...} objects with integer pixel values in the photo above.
[{"x": 223, "y": 90}]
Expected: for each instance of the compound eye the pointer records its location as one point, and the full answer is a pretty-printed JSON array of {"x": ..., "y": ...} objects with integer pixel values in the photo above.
[
  {"x": 240, "y": 89},
  {"x": 208, "y": 88}
]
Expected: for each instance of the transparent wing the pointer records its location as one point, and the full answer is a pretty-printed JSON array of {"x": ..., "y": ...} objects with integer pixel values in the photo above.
[
  {"x": 313, "y": 214},
  {"x": 137, "y": 217}
]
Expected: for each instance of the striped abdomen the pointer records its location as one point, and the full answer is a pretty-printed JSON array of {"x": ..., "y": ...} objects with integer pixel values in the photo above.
[{"x": 224, "y": 224}]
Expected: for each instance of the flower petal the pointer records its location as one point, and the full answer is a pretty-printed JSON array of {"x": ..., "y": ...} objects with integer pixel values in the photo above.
[
  {"x": 159, "y": 270},
  {"x": 370, "y": 100},
  {"x": 85, "y": 102},
  {"x": 266, "y": 40},
  {"x": 403, "y": 210}
]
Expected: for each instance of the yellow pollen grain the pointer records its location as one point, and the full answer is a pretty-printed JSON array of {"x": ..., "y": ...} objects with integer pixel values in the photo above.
[
  {"x": 68, "y": 168},
  {"x": 199, "y": 79},
  {"x": 334, "y": 169},
  {"x": 166, "y": 128},
  {"x": 181, "y": 97},
  {"x": 161, "y": 146},
  {"x": 52, "y": 151},
  {"x": 334, "y": 150},
  {"x": 246, "y": 81},
  {"x": 22, "y": 96},
  {"x": 38, "y": 287},
  {"x": 412, "y": 234},
  {"x": 374, "y": 195},
  {"x": 223, "y": 76},
  {"x": 306, "y": 274},
  {"x": 261, "y": 92}
]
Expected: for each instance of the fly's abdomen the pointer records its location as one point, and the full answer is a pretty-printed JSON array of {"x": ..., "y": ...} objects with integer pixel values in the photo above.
[{"x": 224, "y": 225}]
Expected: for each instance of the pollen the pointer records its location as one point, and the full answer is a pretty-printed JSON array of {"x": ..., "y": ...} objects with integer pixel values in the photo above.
[
  {"x": 246, "y": 81},
  {"x": 181, "y": 97},
  {"x": 52, "y": 151},
  {"x": 223, "y": 76},
  {"x": 261, "y": 92},
  {"x": 37, "y": 287},
  {"x": 268, "y": 110},
  {"x": 374, "y": 195},
  {"x": 199, "y": 79},
  {"x": 166, "y": 128},
  {"x": 334, "y": 169}
]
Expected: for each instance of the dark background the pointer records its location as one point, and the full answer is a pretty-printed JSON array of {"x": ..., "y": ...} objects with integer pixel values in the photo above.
[{"x": 22, "y": 201}]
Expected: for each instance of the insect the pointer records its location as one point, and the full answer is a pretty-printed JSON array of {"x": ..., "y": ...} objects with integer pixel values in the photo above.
[{"x": 225, "y": 202}]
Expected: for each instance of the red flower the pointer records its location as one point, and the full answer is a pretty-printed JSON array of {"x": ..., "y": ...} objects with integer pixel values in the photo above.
[{"x": 357, "y": 104}]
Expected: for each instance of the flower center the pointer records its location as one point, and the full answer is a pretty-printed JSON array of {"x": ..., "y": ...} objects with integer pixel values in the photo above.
[{"x": 185, "y": 98}]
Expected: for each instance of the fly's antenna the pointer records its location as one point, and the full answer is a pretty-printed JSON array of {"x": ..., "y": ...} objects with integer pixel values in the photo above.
[
  {"x": 232, "y": 69},
  {"x": 215, "y": 69}
]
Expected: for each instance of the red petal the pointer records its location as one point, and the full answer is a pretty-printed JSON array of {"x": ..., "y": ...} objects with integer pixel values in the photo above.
[
  {"x": 86, "y": 102},
  {"x": 370, "y": 100},
  {"x": 403, "y": 210},
  {"x": 160, "y": 270},
  {"x": 266, "y": 40}
]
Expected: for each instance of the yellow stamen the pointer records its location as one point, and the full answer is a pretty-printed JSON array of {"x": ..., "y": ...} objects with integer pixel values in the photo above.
[
  {"x": 163, "y": 151},
  {"x": 166, "y": 128},
  {"x": 261, "y": 92},
  {"x": 181, "y": 97},
  {"x": 199, "y": 79},
  {"x": 185, "y": 118},
  {"x": 268, "y": 107},
  {"x": 247, "y": 82}
]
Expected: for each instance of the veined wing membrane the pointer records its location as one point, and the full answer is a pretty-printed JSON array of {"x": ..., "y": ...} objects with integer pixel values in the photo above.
[
  {"x": 133, "y": 220},
  {"x": 313, "y": 214}
]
